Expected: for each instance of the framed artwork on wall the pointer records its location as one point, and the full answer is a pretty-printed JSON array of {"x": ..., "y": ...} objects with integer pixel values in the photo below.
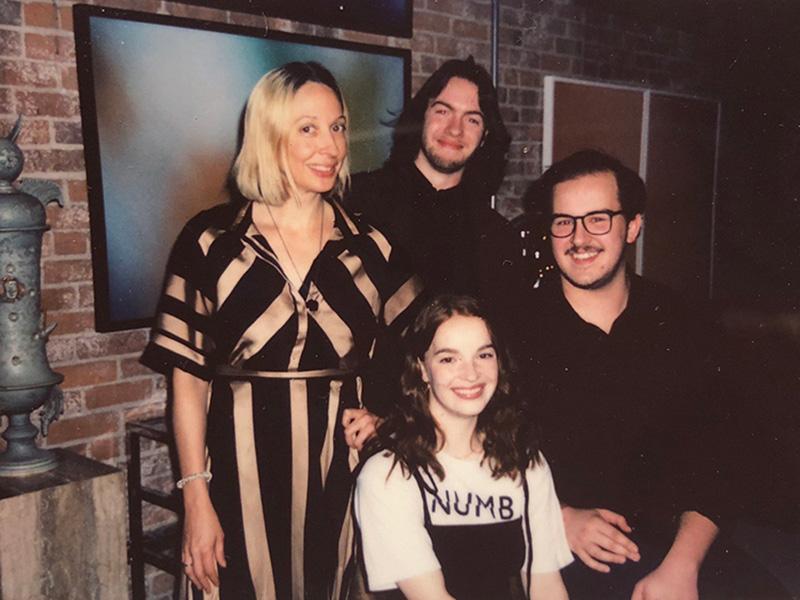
[
  {"x": 385, "y": 17},
  {"x": 162, "y": 100}
]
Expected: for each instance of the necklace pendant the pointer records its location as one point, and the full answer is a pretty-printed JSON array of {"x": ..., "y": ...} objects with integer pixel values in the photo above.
[{"x": 312, "y": 304}]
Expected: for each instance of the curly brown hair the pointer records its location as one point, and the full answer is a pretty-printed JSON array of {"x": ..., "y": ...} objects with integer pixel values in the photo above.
[{"x": 510, "y": 443}]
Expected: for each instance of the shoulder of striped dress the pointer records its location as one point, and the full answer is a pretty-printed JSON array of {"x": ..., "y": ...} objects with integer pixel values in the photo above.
[{"x": 221, "y": 216}]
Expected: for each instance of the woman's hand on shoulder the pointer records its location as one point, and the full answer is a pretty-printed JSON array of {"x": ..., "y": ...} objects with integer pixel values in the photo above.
[
  {"x": 359, "y": 426},
  {"x": 203, "y": 540}
]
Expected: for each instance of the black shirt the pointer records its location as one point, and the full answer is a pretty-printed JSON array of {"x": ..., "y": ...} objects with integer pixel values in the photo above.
[
  {"x": 455, "y": 241},
  {"x": 630, "y": 419}
]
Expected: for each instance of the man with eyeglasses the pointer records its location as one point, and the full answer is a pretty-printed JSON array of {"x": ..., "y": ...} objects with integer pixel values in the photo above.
[{"x": 626, "y": 384}]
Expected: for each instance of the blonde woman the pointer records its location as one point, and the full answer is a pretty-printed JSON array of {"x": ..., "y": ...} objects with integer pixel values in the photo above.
[{"x": 270, "y": 312}]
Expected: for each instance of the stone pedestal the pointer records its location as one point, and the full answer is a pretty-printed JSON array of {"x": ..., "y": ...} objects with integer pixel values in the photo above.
[{"x": 63, "y": 533}]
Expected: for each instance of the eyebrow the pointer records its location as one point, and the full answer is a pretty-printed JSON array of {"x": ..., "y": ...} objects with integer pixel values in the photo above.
[
  {"x": 452, "y": 351},
  {"x": 453, "y": 108},
  {"x": 316, "y": 118}
]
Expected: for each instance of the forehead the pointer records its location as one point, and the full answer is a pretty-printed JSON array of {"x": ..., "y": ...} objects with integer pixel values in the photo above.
[
  {"x": 314, "y": 98},
  {"x": 461, "y": 333},
  {"x": 461, "y": 94},
  {"x": 596, "y": 191}
]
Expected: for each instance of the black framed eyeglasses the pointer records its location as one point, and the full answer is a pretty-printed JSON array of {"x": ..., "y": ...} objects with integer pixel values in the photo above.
[{"x": 597, "y": 222}]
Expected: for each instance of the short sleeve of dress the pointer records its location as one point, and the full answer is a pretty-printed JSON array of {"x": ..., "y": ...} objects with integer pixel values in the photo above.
[
  {"x": 181, "y": 336},
  {"x": 390, "y": 515},
  {"x": 550, "y": 549}
]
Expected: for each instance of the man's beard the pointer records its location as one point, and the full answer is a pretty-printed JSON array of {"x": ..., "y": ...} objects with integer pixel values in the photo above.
[
  {"x": 602, "y": 281},
  {"x": 447, "y": 167}
]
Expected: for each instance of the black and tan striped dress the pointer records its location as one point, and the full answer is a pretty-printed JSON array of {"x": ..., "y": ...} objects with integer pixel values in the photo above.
[{"x": 281, "y": 467}]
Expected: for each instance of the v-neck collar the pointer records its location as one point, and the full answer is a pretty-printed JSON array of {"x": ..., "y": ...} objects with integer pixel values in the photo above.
[{"x": 343, "y": 227}]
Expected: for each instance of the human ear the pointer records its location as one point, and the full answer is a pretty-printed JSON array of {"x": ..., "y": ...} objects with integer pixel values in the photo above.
[
  {"x": 634, "y": 228},
  {"x": 423, "y": 371}
]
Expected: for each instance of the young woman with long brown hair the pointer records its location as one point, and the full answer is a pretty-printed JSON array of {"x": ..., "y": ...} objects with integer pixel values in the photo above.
[{"x": 460, "y": 503}]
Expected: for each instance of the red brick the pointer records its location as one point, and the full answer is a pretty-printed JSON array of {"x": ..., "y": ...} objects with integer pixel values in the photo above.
[
  {"x": 10, "y": 43},
  {"x": 34, "y": 131},
  {"x": 69, "y": 77},
  {"x": 479, "y": 50},
  {"x": 509, "y": 76},
  {"x": 417, "y": 81},
  {"x": 510, "y": 56},
  {"x": 47, "y": 244},
  {"x": 246, "y": 20},
  {"x": 73, "y": 242},
  {"x": 446, "y": 45},
  {"x": 423, "y": 42},
  {"x": 89, "y": 373},
  {"x": 85, "y": 426},
  {"x": 72, "y": 216},
  {"x": 86, "y": 295},
  {"x": 555, "y": 27},
  {"x": 6, "y": 102},
  {"x": 76, "y": 190},
  {"x": 65, "y": 271},
  {"x": 40, "y": 14},
  {"x": 425, "y": 21},
  {"x": 106, "y": 449},
  {"x": 49, "y": 161},
  {"x": 141, "y": 5},
  {"x": 40, "y": 46},
  {"x": 72, "y": 321},
  {"x": 59, "y": 298},
  {"x": 131, "y": 367},
  {"x": 68, "y": 132},
  {"x": 118, "y": 393},
  {"x": 567, "y": 46},
  {"x": 361, "y": 37},
  {"x": 511, "y": 36},
  {"x": 470, "y": 29},
  {"x": 531, "y": 115},
  {"x": 65, "y": 17},
  {"x": 558, "y": 64},
  {"x": 112, "y": 344},
  {"x": 530, "y": 78},
  {"x": 65, "y": 48},
  {"x": 297, "y": 27},
  {"x": 196, "y": 12},
  {"x": 144, "y": 411},
  {"x": 61, "y": 349},
  {"x": 509, "y": 16},
  {"x": 428, "y": 63},
  {"x": 513, "y": 167},
  {"x": 50, "y": 104},
  {"x": 569, "y": 12},
  {"x": 10, "y": 12}
]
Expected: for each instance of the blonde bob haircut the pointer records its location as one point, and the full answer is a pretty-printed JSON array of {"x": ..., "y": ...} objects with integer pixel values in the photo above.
[{"x": 261, "y": 169}]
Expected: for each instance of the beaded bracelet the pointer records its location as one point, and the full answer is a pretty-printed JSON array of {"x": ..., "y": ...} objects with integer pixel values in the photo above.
[{"x": 202, "y": 475}]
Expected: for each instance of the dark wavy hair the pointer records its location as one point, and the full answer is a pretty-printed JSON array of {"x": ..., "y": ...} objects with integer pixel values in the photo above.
[
  {"x": 486, "y": 167},
  {"x": 510, "y": 443},
  {"x": 632, "y": 192}
]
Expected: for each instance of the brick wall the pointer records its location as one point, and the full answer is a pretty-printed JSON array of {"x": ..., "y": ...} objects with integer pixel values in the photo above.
[{"x": 104, "y": 384}]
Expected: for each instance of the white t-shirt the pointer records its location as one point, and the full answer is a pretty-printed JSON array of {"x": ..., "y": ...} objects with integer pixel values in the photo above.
[{"x": 391, "y": 516}]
